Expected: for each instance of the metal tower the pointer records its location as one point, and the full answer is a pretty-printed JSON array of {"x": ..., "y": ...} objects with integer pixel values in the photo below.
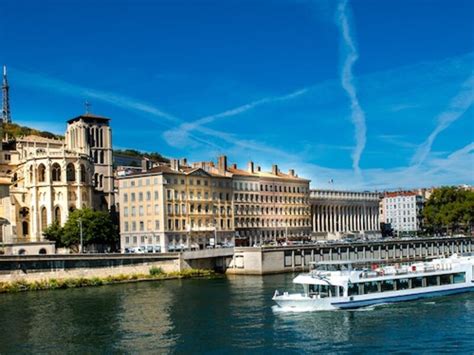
[{"x": 6, "y": 117}]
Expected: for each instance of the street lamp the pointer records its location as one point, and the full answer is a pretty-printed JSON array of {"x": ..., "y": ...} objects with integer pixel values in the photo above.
[{"x": 79, "y": 222}]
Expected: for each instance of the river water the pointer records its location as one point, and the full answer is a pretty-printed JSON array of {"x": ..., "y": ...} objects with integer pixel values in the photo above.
[{"x": 231, "y": 314}]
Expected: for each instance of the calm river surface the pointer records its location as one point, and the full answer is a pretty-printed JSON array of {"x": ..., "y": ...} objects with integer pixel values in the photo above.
[{"x": 232, "y": 315}]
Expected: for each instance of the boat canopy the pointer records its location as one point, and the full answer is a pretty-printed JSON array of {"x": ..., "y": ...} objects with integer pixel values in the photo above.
[{"x": 308, "y": 279}]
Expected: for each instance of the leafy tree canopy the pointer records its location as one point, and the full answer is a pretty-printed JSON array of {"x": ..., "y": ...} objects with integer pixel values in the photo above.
[
  {"x": 450, "y": 207},
  {"x": 135, "y": 153},
  {"x": 97, "y": 228}
]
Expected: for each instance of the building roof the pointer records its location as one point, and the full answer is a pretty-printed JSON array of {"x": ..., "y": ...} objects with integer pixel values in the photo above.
[
  {"x": 39, "y": 139},
  {"x": 400, "y": 193},
  {"x": 89, "y": 117},
  {"x": 264, "y": 174}
]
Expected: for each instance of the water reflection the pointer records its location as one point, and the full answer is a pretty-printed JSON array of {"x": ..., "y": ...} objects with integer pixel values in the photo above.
[
  {"x": 227, "y": 314},
  {"x": 144, "y": 319}
]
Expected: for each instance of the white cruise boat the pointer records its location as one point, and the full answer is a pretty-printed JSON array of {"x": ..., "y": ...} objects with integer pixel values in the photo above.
[{"x": 344, "y": 285}]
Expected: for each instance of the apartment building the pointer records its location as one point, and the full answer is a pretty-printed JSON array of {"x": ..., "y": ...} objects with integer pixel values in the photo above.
[
  {"x": 180, "y": 206},
  {"x": 403, "y": 210},
  {"x": 175, "y": 207},
  {"x": 269, "y": 206}
]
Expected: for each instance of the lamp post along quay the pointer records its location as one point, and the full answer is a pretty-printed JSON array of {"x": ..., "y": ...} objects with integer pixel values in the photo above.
[{"x": 79, "y": 222}]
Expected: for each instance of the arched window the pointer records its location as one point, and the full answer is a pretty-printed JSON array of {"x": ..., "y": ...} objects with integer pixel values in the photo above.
[
  {"x": 42, "y": 251},
  {"x": 31, "y": 174},
  {"x": 21, "y": 252},
  {"x": 101, "y": 155},
  {"x": 96, "y": 179},
  {"x": 70, "y": 172},
  {"x": 95, "y": 156},
  {"x": 57, "y": 214},
  {"x": 44, "y": 218},
  {"x": 101, "y": 180},
  {"x": 56, "y": 172},
  {"x": 41, "y": 173},
  {"x": 72, "y": 208},
  {"x": 24, "y": 228},
  {"x": 83, "y": 173}
]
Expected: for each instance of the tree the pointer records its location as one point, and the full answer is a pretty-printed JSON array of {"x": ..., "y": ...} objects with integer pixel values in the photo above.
[
  {"x": 54, "y": 232},
  {"x": 97, "y": 228},
  {"x": 450, "y": 209}
]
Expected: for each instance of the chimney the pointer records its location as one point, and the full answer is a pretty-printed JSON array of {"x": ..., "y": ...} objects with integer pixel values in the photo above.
[
  {"x": 174, "y": 164},
  {"x": 275, "y": 169},
  {"x": 259, "y": 169},
  {"x": 183, "y": 162},
  {"x": 222, "y": 164},
  {"x": 234, "y": 166},
  {"x": 291, "y": 172},
  {"x": 250, "y": 167},
  {"x": 145, "y": 164}
]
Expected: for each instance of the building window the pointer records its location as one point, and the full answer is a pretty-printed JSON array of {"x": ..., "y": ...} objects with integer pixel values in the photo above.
[
  {"x": 56, "y": 172},
  {"x": 44, "y": 221},
  {"x": 125, "y": 227},
  {"x": 70, "y": 172},
  {"x": 41, "y": 173}
]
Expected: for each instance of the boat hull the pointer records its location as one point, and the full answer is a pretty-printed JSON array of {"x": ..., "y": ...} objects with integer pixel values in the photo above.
[
  {"x": 298, "y": 302},
  {"x": 401, "y": 298}
]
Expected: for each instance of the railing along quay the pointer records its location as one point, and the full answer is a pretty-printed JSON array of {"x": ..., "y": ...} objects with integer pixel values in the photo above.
[{"x": 298, "y": 257}]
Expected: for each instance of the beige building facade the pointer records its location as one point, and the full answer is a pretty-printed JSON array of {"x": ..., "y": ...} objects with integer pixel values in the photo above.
[
  {"x": 269, "y": 207},
  {"x": 180, "y": 206},
  {"x": 177, "y": 207},
  {"x": 338, "y": 213}
]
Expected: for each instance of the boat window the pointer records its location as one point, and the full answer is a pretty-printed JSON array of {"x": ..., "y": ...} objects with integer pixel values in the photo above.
[
  {"x": 332, "y": 267},
  {"x": 387, "y": 285},
  {"x": 403, "y": 284},
  {"x": 371, "y": 287},
  {"x": 445, "y": 279},
  {"x": 432, "y": 281},
  {"x": 322, "y": 291},
  {"x": 416, "y": 282},
  {"x": 341, "y": 291},
  {"x": 352, "y": 289},
  {"x": 460, "y": 278}
]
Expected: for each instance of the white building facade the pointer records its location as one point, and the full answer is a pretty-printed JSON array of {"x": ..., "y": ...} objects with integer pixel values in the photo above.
[
  {"x": 339, "y": 213},
  {"x": 403, "y": 210}
]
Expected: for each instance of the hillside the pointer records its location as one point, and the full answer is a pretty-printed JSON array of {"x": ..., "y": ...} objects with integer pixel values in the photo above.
[
  {"x": 14, "y": 131},
  {"x": 137, "y": 154}
]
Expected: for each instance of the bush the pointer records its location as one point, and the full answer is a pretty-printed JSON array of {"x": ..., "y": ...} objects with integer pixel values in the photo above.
[{"x": 156, "y": 271}]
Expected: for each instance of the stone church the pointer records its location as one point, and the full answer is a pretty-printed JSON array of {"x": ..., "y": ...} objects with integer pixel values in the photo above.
[{"x": 43, "y": 179}]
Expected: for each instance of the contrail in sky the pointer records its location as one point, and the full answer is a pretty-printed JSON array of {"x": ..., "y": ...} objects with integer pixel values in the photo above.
[
  {"x": 358, "y": 115},
  {"x": 458, "y": 105}
]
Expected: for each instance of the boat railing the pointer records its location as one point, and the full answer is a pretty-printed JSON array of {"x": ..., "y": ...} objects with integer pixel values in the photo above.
[{"x": 405, "y": 270}]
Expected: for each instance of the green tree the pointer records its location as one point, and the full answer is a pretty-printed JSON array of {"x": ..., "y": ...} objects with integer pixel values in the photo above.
[
  {"x": 449, "y": 209},
  {"x": 54, "y": 232},
  {"x": 97, "y": 228}
]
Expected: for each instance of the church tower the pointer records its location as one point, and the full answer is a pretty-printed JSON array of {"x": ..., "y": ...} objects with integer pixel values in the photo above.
[
  {"x": 91, "y": 134},
  {"x": 6, "y": 117}
]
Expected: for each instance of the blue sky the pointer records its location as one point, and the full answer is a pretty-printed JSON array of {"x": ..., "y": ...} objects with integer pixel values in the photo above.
[{"x": 371, "y": 94}]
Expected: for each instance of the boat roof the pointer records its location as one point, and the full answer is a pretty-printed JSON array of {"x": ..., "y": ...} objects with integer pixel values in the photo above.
[{"x": 362, "y": 261}]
